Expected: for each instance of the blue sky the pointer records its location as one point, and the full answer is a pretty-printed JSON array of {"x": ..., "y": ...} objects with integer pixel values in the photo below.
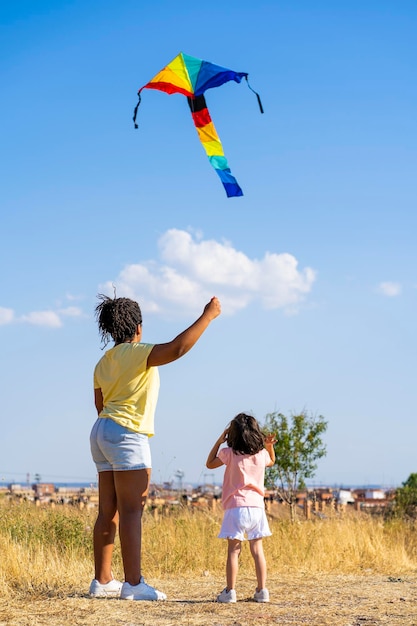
[{"x": 315, "y": 265}]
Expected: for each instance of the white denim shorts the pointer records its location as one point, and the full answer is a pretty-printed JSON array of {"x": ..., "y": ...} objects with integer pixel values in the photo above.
[
  {"x": 116, "y": 448},
  {"x": 241, "y": 520}
]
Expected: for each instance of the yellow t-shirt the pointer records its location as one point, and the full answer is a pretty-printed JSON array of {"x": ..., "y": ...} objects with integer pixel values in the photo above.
[{"x": 130, "y": 389}]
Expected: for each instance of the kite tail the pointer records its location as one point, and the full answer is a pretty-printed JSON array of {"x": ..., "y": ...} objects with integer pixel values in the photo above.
[
  {"x": 257, "y": 95},
  {"x": 135, "y": 112},
  {"x": 212, "y": 145}
]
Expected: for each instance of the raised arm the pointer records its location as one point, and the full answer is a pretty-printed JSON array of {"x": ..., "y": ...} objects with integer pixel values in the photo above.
[
  {"x": 269, "y": 445},
  {"x": 164, "y": 353},
  {"x": 213, "y": 460}
]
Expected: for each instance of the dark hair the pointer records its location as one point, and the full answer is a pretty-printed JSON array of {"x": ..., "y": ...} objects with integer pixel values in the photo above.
[
  {"x": 244, "y": 435},
  {"x": 117, "y": 318}
]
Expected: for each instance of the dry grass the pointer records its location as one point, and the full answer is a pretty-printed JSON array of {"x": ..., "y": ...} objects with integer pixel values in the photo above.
[{"x": 347, "y": 571}]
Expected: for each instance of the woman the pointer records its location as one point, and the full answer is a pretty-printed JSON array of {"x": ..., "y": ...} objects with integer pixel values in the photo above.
[{"x": 126, "y": 386}]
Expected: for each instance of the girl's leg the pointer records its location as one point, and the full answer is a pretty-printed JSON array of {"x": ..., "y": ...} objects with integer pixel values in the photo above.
[
  {"x": 257, "y": 551},
  {"x": 234, "y": 547},
  {"x": 105, "y": 527},
  {"x": 131, "y": 489}
]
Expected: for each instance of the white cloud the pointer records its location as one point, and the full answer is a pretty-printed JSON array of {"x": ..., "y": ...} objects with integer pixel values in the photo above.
[
  {"x": 72, "y": 297},
  {"x": 48, "y": 318},
  {"x": 43, "y": 318},
  {"x": 6, "y": 316},
  {"x": 192, "y": 270},
  {"x": 389, "y": 289},
  {"x": 71, "y": 311}
]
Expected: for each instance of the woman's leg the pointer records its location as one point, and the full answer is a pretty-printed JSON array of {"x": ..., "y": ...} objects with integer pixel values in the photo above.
[
  {"x": 105, "y": 527},
  {"x": 232, "y": 565},
  {"x": 131, "y": 489},
  {"x": 257, "y": 551}
]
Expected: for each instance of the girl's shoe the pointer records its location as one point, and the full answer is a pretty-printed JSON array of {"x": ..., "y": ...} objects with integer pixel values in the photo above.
[
  {"x": 227, "y": 596},
  {"x": 109, "y": 590},
  {"x": 142, "y": 591},
  {"x": 261, "y": 596}
]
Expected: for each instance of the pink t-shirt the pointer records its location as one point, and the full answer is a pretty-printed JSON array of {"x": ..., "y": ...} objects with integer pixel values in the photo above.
[{"x": 244, "y": 477}]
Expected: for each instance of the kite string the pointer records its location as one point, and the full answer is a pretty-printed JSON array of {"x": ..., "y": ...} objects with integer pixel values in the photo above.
[
  {"x": 257, "y": 95},
  {"x": 135, "y": 112}
]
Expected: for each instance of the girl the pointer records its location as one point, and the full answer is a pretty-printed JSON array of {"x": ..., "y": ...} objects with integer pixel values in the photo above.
[
  {"x": 248, "y": 453},
  {"x": 126, "y": 385}
]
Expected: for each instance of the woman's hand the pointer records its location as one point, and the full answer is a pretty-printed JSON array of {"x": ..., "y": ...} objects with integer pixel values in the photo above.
[{"x": 213, "y": 308}]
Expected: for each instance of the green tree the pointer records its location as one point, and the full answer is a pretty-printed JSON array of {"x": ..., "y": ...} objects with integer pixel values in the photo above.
[
  {"x": 299, "y": 445},
  {"x": 405, "y": 502}
]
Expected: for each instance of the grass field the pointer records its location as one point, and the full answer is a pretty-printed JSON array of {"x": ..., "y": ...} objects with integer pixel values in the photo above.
[{"x": 343, "y": 571}]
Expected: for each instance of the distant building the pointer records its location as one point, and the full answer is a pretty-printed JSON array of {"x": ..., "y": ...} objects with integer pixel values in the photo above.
[
  {"x": 344, "y": 496},
  {"x": 375, "y": 494},
  {"x": 43, "y": 490}
]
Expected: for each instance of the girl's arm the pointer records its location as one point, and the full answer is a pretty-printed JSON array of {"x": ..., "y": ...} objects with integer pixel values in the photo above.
[
  {"x": 164, "y": 353},
  {"x": 213, "y": 460},
  {"x": 269, "y": 445}
]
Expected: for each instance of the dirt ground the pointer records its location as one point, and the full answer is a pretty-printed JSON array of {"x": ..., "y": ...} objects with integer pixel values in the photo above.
[{"x": 334, "y": 600}]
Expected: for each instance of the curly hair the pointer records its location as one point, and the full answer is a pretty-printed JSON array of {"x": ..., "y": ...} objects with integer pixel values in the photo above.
[
  {"x": 117, "y": 318},
  {"x": 244, "y": 435}
]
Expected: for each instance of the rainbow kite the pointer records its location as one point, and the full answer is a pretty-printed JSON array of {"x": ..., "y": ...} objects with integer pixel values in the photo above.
[{"x": 192, "y": 77}]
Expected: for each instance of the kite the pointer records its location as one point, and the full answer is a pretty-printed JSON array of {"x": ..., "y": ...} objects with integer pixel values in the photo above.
[{"x": 191, "y": 77}]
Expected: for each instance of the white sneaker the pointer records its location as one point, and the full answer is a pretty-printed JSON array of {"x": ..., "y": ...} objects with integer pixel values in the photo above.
[
  {"x": 261, "y": 596},
  {"x": 142, "y": 591},
  {"x": 109, "y": 590},
  {"x": 227, "y": 596}
]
